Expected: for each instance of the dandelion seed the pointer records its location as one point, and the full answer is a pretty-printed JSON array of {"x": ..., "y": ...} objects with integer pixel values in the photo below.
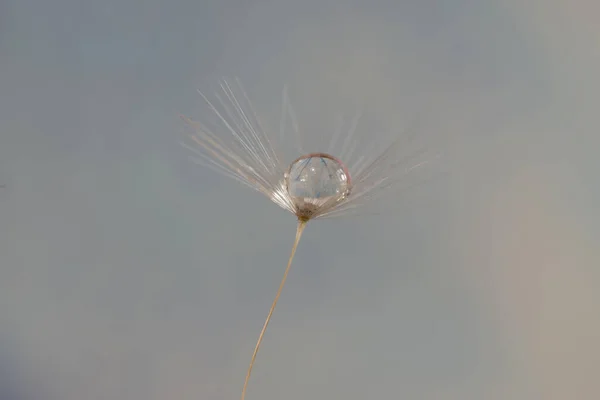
[{"x": 313, "y": 186}]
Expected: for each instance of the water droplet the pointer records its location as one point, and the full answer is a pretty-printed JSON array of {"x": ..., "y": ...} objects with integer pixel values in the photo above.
[{"x": 317, "y": 179}]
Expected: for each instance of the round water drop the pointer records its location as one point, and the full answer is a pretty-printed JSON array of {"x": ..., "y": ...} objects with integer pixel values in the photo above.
[{"x": 316, "y": 179}]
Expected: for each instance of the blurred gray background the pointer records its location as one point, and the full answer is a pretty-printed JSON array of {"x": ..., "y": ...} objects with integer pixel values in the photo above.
[{"x": 127, "y": 272}]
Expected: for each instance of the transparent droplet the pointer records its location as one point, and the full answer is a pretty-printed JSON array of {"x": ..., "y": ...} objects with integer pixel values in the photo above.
[{"x": 317, "y": 179}]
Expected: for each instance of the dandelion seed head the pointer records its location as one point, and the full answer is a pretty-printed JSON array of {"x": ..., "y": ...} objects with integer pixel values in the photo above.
[{"x": 232, "y": 140}]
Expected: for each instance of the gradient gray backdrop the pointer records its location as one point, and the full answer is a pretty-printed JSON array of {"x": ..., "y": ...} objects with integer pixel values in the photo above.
[{"x": 127, "y": 272}]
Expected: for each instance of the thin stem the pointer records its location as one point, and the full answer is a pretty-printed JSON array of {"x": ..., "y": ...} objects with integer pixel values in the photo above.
[{"x": 299, "y": 230}]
